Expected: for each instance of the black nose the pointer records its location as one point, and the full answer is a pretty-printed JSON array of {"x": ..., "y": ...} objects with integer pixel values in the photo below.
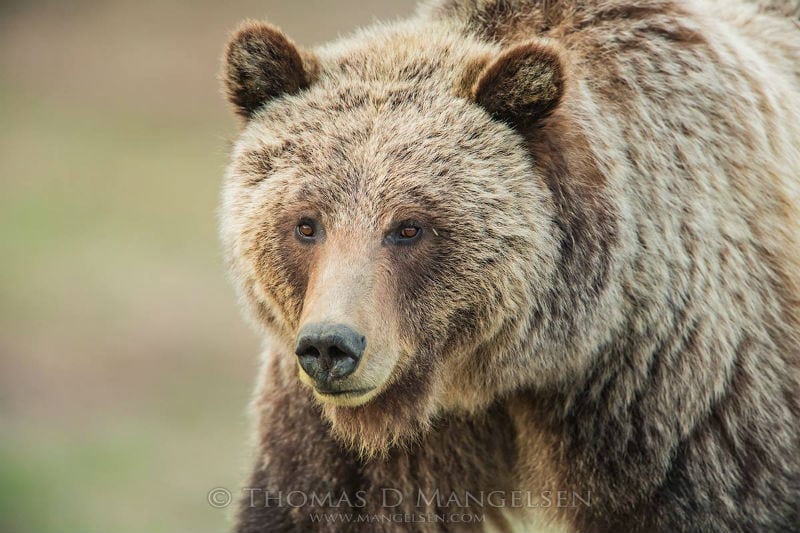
[{"x": 328, "y": 352}]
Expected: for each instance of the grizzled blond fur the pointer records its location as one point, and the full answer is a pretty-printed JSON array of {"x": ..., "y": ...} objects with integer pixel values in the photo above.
[{"x": 609, "y": 301}]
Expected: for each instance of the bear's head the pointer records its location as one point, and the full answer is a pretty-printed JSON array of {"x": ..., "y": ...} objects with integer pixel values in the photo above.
[{"x": 386, "y": 223}]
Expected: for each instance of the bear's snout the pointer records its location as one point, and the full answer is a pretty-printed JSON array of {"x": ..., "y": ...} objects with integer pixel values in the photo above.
[{"x": 328, "y": 353}]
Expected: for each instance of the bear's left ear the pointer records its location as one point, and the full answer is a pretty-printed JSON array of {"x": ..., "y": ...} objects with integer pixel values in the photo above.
[
  {"x": 521, "y": 86},
  {"x": 260, "y": 64}
]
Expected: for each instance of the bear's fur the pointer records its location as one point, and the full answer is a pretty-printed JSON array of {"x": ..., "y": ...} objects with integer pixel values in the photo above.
[{"x": 604, "y": 297}]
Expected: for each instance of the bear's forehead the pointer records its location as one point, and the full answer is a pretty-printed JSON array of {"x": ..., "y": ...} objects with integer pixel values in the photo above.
[
  {"x": 379, "y": 125},
  {"x": 385, "y": 124},
  {"x": 378, "y": 148},
  {"x": 396, "y": 98},
  {"x": 337, "y": 106}
]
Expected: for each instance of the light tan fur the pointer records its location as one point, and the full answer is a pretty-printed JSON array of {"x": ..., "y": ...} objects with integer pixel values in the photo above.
[{"x": 606, "y": 294}]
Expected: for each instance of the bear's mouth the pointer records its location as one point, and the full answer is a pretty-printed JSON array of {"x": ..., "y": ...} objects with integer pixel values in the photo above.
[
  {"x": 345, "y": 398},
  {"x": 350, "y": 392}
]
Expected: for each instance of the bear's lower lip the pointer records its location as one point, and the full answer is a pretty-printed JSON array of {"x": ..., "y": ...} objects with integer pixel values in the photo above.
[{"x": 350, "y": 392}]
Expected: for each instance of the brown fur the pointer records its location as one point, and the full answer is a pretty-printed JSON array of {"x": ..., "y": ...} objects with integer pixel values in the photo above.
[
  {"x": 521, "y": 86},
  {"x": 258, "y": 49},
  {"x": 606, "y": 294}
]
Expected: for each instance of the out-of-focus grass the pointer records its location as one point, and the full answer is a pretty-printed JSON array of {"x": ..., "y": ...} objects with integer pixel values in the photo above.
[{"x": 125, "y": 368}]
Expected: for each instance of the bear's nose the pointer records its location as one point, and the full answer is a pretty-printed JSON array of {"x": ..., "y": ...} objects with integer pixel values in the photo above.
[{"x": 328, "y": 352}]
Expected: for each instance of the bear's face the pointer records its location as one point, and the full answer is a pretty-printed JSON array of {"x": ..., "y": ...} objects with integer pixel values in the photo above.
[{"x": 382, "y": 232}]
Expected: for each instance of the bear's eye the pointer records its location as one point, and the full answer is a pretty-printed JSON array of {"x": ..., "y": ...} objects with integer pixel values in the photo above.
[
  {"x": 305, "y": 229},
  {"x": 409, "y": 232},
  {"x": 404, "y": 233}
]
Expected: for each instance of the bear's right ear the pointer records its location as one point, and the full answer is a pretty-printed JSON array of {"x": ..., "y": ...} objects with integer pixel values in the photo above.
[
  {"x": 521, "y": 86},
  {"x": 260, "y": 64}
]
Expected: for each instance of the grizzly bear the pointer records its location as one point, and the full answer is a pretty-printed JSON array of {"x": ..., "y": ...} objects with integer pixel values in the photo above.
[{"x": 523, "y": 265}]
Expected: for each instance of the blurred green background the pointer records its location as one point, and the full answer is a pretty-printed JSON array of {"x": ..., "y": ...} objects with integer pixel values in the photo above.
[{"x": 125, "y": 367}]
